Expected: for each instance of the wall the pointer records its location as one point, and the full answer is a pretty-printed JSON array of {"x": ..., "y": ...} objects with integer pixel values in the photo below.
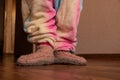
[{"x": 99, "y": 29}]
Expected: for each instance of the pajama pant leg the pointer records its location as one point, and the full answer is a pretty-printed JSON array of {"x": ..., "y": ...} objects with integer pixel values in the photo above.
[
  {"x": 67, "y": 21},
  {"x": 39, "y": 20},
  {"x": 38, "y": 16}
]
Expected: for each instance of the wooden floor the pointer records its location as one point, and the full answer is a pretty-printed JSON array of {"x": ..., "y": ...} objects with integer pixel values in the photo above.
[{"x": 97, "y": 69}]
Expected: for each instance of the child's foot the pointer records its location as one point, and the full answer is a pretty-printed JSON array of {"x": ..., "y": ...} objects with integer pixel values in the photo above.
[
  {"x": 44, "y": 55},
  {"x": 67, "y": 58}
]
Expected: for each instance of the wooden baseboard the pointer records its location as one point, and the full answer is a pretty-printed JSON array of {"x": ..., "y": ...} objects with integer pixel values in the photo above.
[{"x": 101, "y": 56}]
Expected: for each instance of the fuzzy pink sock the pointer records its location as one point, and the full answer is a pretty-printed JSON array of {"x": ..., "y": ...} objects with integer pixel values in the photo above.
[{"x": 43, "y": 55}]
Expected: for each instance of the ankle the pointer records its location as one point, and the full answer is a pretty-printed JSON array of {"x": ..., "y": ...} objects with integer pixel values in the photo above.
[
  {"x": 44, "y": 44},
  {"x": 63, "y": 51}
]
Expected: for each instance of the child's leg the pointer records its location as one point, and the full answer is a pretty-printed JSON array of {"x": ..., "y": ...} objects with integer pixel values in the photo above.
[
  {"x": 40, "y": 22},
  {"x": 41, "y": 27},
  {"x": 67, "y": 21}
]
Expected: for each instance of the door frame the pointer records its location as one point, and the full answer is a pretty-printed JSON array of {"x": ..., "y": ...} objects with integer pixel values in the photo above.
[{"x": 9, "y": 26}]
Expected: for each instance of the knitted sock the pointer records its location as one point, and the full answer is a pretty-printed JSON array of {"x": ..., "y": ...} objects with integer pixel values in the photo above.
[
  {"x": 66, "y": 57},
  {"x": 43, "y": 55}
]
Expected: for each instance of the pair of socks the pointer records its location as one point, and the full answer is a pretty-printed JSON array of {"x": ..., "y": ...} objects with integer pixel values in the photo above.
[{"x": 45, "y": 55}]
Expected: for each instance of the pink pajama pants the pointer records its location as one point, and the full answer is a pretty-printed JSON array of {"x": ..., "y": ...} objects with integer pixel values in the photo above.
[{"x": 44, "y": 24}]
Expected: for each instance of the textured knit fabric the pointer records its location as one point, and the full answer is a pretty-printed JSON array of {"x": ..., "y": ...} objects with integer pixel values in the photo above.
[
  {"x": 53, "y": 21},
  {"x": 65, "y": 57},
  {"x": 43, "y": 56}
]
